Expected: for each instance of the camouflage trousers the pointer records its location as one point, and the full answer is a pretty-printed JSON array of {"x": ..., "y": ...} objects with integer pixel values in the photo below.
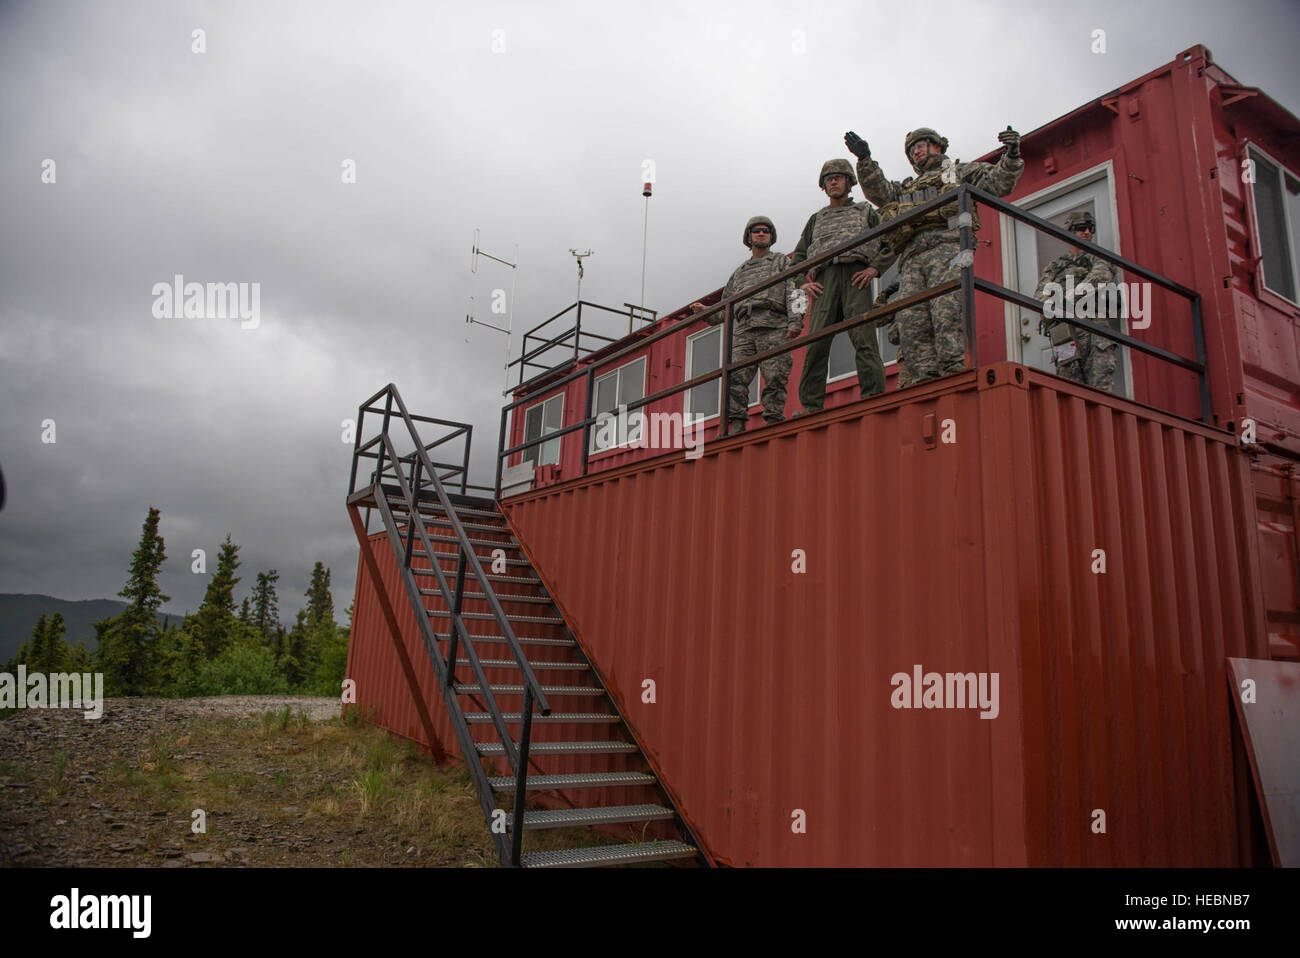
[
  {"x": 904, "y": 374},
  {"x": 932, "y": 334},
  {"x": 748, "y": 342},
  {"x": 1093, "y": 364},
  {"x": 840, "y": 300}
]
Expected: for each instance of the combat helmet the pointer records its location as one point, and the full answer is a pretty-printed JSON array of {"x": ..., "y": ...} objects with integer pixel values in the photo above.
[
  {"x": 837, "y": 166},
  {"x": 756, "y": 221},
  {"x": 1080, "y": 218},
  {"x": 923, "y": 133}
]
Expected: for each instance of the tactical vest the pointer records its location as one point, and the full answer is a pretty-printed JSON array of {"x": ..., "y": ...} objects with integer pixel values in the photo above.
[
  {"x": 836, "y": 225},
  {"x": 917, "y": 191},
  {"x": 755, "y": 270}
]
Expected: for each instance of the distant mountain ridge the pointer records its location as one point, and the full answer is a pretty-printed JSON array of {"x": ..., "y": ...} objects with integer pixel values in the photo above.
[{"x": 19, "y": 614}]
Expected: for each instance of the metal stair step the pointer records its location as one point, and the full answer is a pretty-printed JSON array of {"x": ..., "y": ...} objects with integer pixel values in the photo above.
[
  {"x": 512, "y": 664},
  {"x": 490, "y": 617},
  {"x": 509, "y": 597},
  {"x": 575, "y": 718},
  {"x": 608, "y": 815},
  {"x": 608, "y": 855},
  {"x": 522, "y": 639},
  {"x": 440, "y": 520},
  {"x": 511, "y": 544},
  {"x": 563, "y": 748},
  {"x": 434, "y": 508},
  {"x": 452, "y": 555},
  {"x": 491, "y": 577},
  {"x": 506, "y": 783},
  {"x": 475, "y": 689}
]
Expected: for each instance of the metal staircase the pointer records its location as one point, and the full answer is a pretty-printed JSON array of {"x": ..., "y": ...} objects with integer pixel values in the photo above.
[{"x": 470, "y": 585}]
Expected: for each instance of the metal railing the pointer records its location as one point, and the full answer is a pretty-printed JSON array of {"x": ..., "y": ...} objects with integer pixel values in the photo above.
[
  {"x": 572, "y": 336},
  {"x": 966, "y": 285},
  {"x": 416, "y": 479}
]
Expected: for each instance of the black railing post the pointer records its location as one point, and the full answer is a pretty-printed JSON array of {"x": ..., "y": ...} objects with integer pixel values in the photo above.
[
  {"x": 586, "y": 419},
  {"x": 457, "y": 602},
  {"x": 501, "y": 447},
  {"x": 464, "y": 474},
  {"x": 967, "y": 259},
  {"x": 577, "y": 332},
  {"x": 521, "y": 777},
  {"x": 1202, "y": 375},
  {"x": 724, "y": 401},
  {"x": 413, "y": 515}
]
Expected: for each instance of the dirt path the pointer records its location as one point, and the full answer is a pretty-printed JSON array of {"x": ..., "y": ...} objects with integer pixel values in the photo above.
[{"x": 279, "y": 780}]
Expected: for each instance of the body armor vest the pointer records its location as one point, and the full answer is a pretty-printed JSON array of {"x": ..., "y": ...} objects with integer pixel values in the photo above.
[
  {"x": 755, "y": 270},
  {"x": 835, "y": 225},
  {"x": 921, "y": 190}
]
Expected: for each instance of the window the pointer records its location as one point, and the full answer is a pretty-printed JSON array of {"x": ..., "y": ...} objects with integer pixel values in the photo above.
[
  {"x": 542, "y": 420},
  {"x": 704, "y": 355},
  {"x": 1277, "y": 221},
  {"x": 624, "y": 385}
]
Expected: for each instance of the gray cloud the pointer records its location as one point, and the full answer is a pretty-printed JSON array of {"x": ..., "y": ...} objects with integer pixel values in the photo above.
[{"x": 225, "y": 167}]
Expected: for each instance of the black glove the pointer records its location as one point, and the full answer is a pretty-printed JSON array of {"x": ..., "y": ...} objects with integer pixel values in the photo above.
[
  {"x": 1011, "y": 139},
  {"x": 857, "y": 145},
  {"x": 891, "y": 289}
]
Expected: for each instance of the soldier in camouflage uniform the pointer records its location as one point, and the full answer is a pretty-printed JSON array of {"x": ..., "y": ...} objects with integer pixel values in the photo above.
[
  {"x": 840, "y": 289},
  {"x": 932, "y": 333},
  {"x": 763, "y": 321},
  {"x": 1077, "y": 353},
  {"x": 891, "y": 333}
]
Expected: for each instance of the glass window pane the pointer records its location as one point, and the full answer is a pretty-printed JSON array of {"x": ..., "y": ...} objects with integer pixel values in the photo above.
[
  {"x": 631, "y": 382},
  {"x": 703, "y": 355},
  {"x": 606, "y": 394},
  {"x": 532, "y": 430},
  {"x": 1271, "y": 220},
  {"x": 841, "y": 361}
]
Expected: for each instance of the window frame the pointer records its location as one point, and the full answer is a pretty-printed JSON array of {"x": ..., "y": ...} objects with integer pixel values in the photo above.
[
  {"x": 559, "y": 443},
  {"x": 1260, "y": 289},
  {"x": 616, "y": 373}
]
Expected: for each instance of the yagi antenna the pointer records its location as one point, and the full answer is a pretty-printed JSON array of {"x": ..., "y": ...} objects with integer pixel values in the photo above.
[{"x": 475, "y": 253}]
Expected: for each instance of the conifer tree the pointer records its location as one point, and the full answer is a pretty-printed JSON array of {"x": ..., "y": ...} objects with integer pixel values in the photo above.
[
  {"x": 266, "y": 610},
  {"x": 54, "y": 654},
  {"x": 126, "y": 642},
  {"x": 214, "y": 625}
]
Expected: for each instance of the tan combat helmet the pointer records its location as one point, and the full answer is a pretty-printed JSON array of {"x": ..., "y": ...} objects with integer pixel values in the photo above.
[
  {"x": 922, "y": 133},
  {"x": 1079, "y": 219},
  {"x": 837, "y": 166},
  {"x": 756, "y": 221}
]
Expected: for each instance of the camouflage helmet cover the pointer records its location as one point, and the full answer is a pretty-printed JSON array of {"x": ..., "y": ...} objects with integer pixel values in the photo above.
[
  {"x": 836, "y": 166},
  {"x": 755, "y": 221},
  {"x": 923, "y": 133},
  {"x": 1078, "y": 219}
]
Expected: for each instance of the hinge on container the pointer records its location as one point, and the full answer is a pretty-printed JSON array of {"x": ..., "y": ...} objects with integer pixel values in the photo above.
[{"x": 930, "y": 430}]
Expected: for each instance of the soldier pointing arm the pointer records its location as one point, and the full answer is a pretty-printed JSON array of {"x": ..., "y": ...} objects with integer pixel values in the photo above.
[{"x": 932, "y": 333}]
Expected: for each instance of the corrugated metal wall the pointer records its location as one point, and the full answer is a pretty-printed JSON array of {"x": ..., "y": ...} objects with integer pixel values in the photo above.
[{"x": 773, "y": 687}]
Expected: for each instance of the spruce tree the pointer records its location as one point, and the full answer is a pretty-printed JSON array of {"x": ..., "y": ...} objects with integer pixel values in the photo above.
[
  {"x": 215, "y": 625},
  {"x": 126, "y": 642},
  {"x": 266, "y": 611},
  {"x": 34, "y": 648},
  {"x": 54, "y": 652}
]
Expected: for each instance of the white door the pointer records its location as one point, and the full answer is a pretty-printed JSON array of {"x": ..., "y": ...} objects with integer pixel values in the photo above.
[{"x": 1034, "y": 250}]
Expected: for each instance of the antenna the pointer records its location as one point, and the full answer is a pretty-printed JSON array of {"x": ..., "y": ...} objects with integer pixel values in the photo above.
[
  {"x": 580, "y": 256},
  {"x": 475, "y": 253}
]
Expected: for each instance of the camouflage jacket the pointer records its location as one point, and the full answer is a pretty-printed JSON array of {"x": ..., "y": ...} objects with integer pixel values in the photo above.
[
  {"x": 769, "y": 307},
  {"x": 832, "y": 226},
  {"x": 1084, "y": 267},
  {"x": 998, "y": 179}
]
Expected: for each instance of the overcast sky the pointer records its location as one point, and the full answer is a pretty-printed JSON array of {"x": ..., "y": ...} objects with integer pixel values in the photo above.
[{"x": 528, "y": 121}]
